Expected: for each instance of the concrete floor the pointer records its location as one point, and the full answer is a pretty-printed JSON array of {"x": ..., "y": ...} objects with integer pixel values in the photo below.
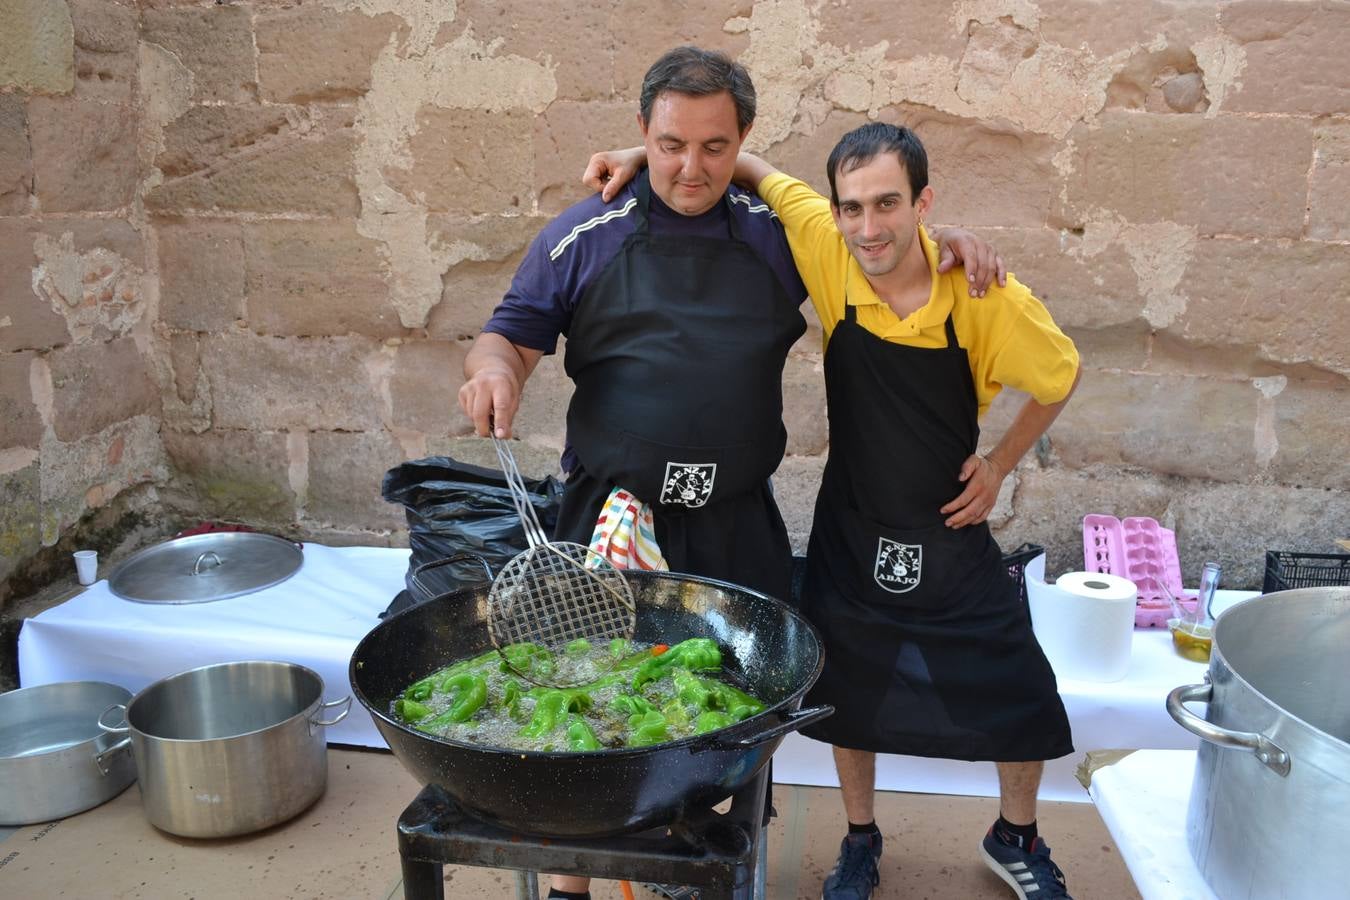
[{"x": 344, "y": 847}]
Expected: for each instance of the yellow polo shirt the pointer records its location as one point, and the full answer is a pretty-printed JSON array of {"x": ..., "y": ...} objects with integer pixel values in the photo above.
[{"x": 1008, "y": 334}]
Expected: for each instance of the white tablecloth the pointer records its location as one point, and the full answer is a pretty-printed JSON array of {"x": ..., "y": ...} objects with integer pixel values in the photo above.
[
  {"x": 1127, "y": 714},
  {"x": 1142, "y": 799},
  {"x": 316, "y": 617}
]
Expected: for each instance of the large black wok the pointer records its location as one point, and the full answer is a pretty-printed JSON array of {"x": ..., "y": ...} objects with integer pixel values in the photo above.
[{"x": 774, "y": 651}]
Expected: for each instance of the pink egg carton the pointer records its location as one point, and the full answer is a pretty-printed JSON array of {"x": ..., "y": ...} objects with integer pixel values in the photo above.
[{"x": 1140, "y": 549}]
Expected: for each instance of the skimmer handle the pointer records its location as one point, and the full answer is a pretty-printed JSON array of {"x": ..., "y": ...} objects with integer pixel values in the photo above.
[{"x": 520, "y": 496}]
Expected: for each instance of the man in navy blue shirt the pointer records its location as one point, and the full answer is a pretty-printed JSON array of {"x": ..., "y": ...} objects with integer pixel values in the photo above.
[{"x": 679, "y": 301}]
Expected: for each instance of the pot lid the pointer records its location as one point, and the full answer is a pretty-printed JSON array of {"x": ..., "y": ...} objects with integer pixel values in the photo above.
[{"x": 206, "y": 567}]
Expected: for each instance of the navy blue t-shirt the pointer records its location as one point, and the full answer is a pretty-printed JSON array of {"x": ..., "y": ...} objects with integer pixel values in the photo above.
[{"x": 573, "y": 249}]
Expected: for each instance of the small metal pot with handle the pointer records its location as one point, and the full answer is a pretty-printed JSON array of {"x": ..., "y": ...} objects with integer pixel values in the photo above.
[
  {"x": 54, "y": 762},
  {"x": 1272, "y": 777},
  {"x": 231, "y": 748}
]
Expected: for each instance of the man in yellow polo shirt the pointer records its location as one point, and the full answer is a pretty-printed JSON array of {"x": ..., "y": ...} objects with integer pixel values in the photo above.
[{"x": 929, "y": 651}]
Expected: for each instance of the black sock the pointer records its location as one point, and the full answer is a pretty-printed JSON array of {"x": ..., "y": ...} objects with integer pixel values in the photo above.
[
  {"x": 869, "y": 828},
  {"x": 555, "y": 894},
  {"x": 1020, "y": 836}
]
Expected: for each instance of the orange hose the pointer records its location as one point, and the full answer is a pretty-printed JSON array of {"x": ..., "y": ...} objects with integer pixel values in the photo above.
[{"x": 627, "y": 890}]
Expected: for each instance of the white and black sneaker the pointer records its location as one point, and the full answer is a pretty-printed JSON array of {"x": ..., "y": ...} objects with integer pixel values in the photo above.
[
  {"x": 673, "y": 892},
  {"x": 856, "y": 872},
  {"x": 1031, "y": 873}
]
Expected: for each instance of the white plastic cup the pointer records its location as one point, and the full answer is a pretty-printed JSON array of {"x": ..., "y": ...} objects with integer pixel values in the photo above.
[{"x": 86, "y": 565}]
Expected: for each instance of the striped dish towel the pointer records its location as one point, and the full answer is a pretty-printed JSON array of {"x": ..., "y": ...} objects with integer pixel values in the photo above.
[{"x": 625, "y": 534}]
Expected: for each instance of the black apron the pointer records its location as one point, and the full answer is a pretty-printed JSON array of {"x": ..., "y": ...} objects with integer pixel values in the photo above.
[
  {"x": 929, "y": 651},
  {"x": 677, "y": 353}
]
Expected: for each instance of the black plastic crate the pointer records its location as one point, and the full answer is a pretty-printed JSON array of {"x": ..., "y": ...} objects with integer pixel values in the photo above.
[
  {"x": 1286, "y": 570},
  {"x": 1017, "y": 560}
]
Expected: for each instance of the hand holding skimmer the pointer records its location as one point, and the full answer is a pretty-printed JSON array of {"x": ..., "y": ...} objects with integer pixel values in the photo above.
[{"x": 554, "y": 593}]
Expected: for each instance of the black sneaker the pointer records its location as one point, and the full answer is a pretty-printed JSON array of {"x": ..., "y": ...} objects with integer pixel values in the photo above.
[
  {"x": 673, "y": 892},
  {"x": 855, "y": 874},
  {"x": 1031, "y": 874}
]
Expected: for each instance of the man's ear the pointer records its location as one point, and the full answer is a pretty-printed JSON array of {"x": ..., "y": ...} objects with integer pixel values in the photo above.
[
  {"x": 924, "y": 204},
  {"x": 834, "y": 212},
  {"x": 642, "y": 125}
]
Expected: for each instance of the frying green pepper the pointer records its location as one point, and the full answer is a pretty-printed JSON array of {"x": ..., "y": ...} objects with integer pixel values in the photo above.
[
  {"x": 549, "y": 708},
  {"x": 711, "y": 720},
  {"x": 647, "y": 729},
  {"x": 476, "y": 665},
  {"x": 411, "y": 710},
  {"x": 692, "y": 689},
  {"x": 469, "y": 692},
  {"x": 736, "y": 702},
  {"x": 632, "y": 660},
  {"x": 579, "y": 647},
  {"x": 604, "y": 681},
  {"x": 677, "y": 717},
  {"x": 511, "y": 694},
  {"x": 580, "y": 736},
  {"x": 629, "y": 705},
  {"x": 694, "y": 654},
  {"x": 527, "y": 658},
  {"x": 578, "y": 700},
  {"x": 423, "y": 689}
]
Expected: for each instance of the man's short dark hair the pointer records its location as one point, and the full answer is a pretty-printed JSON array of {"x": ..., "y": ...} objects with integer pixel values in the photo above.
[
  {"x": 863, "y": 144},
  {"x": 698, "y": 73}
]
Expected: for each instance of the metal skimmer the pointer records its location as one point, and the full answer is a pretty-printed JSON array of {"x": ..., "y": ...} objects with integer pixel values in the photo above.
[{"x": 553, "y": 593}]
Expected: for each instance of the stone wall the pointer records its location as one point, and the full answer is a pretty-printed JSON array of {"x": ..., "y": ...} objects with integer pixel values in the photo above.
[
  {"x": 80, "y": 407},
  {"x": 244, "y": 245}
]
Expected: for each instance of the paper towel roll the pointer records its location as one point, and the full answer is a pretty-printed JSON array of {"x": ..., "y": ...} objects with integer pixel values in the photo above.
[{"x": 1084, "y": 622}]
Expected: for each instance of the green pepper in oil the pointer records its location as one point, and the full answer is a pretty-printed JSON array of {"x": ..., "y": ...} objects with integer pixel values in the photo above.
[
  {"x": 469, "y": 693},
  {"x": 647, "y": 729},
  {"x": 580, "y": 737}
]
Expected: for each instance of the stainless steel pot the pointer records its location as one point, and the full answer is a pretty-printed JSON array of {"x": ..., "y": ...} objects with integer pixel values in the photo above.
[
  {"x": 54, "y": 761},
  {"x": 1266, "y": 818},
  {"x": 231, "y": 748}
]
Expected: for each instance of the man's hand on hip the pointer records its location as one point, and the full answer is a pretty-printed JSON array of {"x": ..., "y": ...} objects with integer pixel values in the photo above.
[{"x": 982, "y": 479}]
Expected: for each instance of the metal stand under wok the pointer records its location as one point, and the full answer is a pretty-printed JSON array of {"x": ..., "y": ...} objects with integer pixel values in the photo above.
[{"x": 719, "y": 853}]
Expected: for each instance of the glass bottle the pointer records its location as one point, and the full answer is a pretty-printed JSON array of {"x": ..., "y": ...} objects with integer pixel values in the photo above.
[
  {"x": 1209, "y": 583},
  {"x": 1193, "y": 637}
]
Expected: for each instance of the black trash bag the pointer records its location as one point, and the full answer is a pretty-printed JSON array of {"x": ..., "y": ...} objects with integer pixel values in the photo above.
[{"x": 455, "y": 508}]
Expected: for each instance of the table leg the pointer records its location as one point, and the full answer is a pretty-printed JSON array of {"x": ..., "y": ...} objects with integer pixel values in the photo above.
[
  {"x": 422, "y": 880},
  {"x": 762, "y": 865},
  {"x": 527, "y": 885}
]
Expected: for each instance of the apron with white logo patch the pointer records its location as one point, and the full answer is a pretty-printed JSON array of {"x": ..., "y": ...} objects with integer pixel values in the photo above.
[
  {"x": 677, "y": 352},
  {"x": 929, "y": 650}
]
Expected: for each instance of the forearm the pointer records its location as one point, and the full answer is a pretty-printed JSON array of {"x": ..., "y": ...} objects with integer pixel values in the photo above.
[
  {"x": 493, "y": 353},
  {"x": 750, "y": 171},
  {"x": 1031, "y": 421}
]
